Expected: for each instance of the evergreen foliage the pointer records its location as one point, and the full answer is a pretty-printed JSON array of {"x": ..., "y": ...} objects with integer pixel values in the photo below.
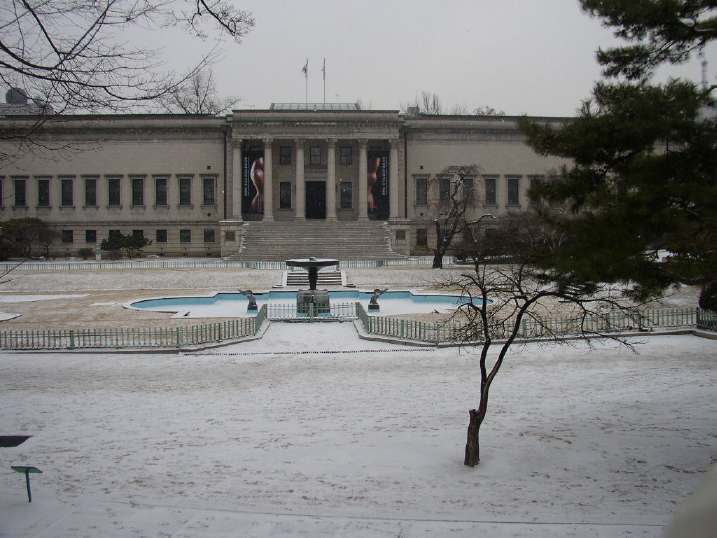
[
  {"x": 22, "y": 238},
  {"x": 130, "y": 244},
  {"x": 644, "y": 176}
]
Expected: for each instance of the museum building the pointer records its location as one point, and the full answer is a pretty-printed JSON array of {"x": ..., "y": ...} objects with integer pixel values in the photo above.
[{"x": 295, "y": 179}]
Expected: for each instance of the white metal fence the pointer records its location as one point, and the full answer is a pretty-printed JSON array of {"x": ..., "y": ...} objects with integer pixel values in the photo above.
[
  {"x": 199, "y": 263},
  {"x": 278, "y": 312},
  {"x": 453, "y": 331},
  {"x": 142, "y": 337}
]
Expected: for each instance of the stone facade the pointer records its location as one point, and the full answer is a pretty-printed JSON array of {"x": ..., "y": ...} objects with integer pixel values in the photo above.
[{"x": 188, "y": 183}]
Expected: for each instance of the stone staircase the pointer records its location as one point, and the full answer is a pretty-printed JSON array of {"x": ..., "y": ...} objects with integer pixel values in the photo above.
[
  {"x": 301, "y": 278},
  {"x": 279, "y": 241}
]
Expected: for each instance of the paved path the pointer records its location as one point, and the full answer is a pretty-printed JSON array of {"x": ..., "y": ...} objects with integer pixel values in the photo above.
[{"x": 284, "y": 338}]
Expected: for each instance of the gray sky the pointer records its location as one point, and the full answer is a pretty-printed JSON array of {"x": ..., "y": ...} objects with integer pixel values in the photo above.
[{"x": 520, "y": 56}]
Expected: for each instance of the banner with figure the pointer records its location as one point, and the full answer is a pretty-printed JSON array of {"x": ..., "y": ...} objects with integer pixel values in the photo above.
[
  {"x": 378, "y": 181},
  {"x": 252, "y": 200}
]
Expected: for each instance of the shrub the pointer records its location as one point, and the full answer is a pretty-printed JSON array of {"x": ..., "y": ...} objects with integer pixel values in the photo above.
[{"x": 86, "y": 253}]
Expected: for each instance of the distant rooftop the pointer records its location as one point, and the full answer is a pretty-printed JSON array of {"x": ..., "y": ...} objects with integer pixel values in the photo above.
[{"x": 331, "y": 107}]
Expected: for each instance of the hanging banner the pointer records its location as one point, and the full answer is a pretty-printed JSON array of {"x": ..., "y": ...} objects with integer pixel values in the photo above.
[
  {"x": 252, "y": 200},
  {"x": 378, "y": 181}
]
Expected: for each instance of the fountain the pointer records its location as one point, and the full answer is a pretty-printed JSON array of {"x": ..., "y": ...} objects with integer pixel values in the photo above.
[{"x": 312, "y": 301}]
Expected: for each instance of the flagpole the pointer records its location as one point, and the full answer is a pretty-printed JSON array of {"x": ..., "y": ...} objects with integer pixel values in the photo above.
[
  {"x": 324, "y": 71},
  {"x": 305, "y": 69}
]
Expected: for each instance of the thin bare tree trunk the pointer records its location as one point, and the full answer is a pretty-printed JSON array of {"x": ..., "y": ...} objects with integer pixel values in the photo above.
[
  {"x": 472, "y": 456},
  {"x": 437, "y": 259}
]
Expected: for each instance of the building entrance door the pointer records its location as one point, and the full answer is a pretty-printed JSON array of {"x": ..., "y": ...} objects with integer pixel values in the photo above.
[{"x": 315, "y": 200}]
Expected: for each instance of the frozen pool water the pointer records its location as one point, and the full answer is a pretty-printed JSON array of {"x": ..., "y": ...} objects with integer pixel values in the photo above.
[{"x": 235, "y": 304}]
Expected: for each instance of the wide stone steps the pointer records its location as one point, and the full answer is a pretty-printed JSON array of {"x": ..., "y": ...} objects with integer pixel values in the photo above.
[
  {"x": 325, "y": 278},
  {"x": 278, "y": 241}
]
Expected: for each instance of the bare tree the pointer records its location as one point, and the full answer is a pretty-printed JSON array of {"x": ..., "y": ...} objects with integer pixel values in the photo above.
[
  {"x": 73, "y": 55},
  {"x": 426, "y": 103},
  {"x": 459, "y": 110},
  {"x": 455, "y": 201},
  {"x": 198, "y": 95},
  {"x": 487, "y": 111},
  {"x": 503, "y": 302}
]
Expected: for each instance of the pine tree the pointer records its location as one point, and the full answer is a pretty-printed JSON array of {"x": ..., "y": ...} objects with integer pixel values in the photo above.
[{"x": 644, "y": 173}]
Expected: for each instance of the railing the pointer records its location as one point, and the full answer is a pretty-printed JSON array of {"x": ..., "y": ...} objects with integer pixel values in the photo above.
[
  {"x": 311, "y": 312},
  {"x": 453, "y": 331},
  {"x": 410, "y": 260},
  {"x": 707, "y": 320},
  {"x": 145, "y": 337},
  {"x": 124, "y": 265},
  {"x": 261, "y": 317}
]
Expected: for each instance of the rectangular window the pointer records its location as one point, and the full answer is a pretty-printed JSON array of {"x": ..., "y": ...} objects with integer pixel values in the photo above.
[
  {"x": 209, "y": 235},
  {"x": 400, "y": 235},
  {"x": 67, "y": 236},
  {"x": 114, "y": 234},
  {"x": 161, "y": 236},
  {"x": 490, "y": 191},
  {"x": 421, "y": 237},
  {"x": 208, "y": 190},
  {"x": 284, "y": 195},
  {"x": 90, "y": 236},
  {"x": 138, "y": 234},
  {"x": 315, "y": 155},
  {"x": 90, "y": 192},
  {"x": 185, "y": 191},
  {"x": 2, "y": 194},
  {"x": 160, "y": 191},
  {"x": 284, "y": 155},
  {"x": 422, "y": 191},
  {"x": 514, "y": 191},
  {"x": 468, "y": 188},
  {"x": 20, "y": 193},
  {"x": 137, "y": 191},
  {"x": 114, "y": 197},
  {"x": 43, "y": 192},
  {"x": 230, "y": 236},
  {"x": 346, "y": 156},
  {"x": 347, "y": 194},
  {"x": 67, "y": 198},
  {"x": 444, "y": 189},
  {"x": 185, "y": 236}
]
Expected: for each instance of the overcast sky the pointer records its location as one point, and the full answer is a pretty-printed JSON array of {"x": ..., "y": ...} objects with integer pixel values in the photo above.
[{"x": 521, "y": 56}]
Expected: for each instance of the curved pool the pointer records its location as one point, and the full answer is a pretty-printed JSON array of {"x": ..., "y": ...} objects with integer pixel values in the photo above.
[{"x": 235, "y": 304}]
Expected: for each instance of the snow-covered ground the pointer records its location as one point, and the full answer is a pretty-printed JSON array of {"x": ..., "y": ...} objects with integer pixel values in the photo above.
[{"x": 312, "y": 432}]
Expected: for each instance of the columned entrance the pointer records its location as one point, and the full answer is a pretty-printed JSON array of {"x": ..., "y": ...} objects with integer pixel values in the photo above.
[{"x": 315, "y": 200}]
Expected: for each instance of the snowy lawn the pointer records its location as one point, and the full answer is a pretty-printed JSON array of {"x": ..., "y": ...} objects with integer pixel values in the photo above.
[{"x": 269, "y": 438}]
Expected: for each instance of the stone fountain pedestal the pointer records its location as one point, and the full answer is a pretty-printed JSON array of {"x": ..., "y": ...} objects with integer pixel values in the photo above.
[{"x": 312, "y": 301}]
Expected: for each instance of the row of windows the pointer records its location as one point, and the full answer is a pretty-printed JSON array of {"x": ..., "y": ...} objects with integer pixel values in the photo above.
[
  {"x": 449, "y": 189},
  {"x": 113, "y": 193},
  {"x": 160, "y": 236},
  {"x": 345, "y": 155},
  {"x": 345, "y": 195}
]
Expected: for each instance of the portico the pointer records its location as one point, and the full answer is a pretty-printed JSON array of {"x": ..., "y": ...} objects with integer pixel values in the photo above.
[{"x": 298, "y": 165}]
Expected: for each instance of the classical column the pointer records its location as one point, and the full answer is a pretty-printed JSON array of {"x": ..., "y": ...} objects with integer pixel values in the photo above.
[
  {"x": 363, "y": 181},
  {"x": 236, "y": 178},
  {"x": 393, "y": 180},
  {"x": 331, "y": 182},
  {"x": 300, "y": 202},
  {"x": 268, "y": 181}
]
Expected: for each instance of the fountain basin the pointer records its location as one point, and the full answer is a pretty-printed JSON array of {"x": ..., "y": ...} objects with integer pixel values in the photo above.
[{"x": 227, "y": 304}]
